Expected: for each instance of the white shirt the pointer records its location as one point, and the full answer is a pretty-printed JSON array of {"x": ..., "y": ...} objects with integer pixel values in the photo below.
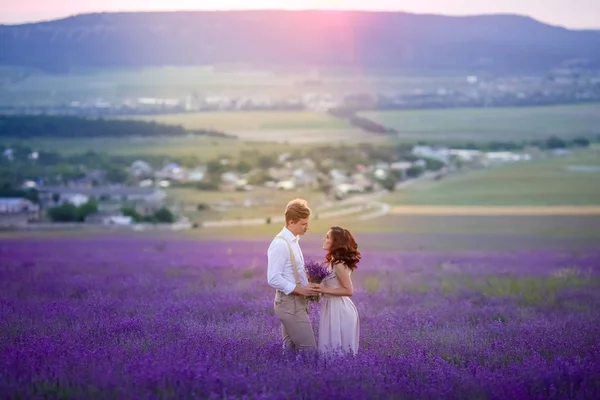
[{"x": 280, "y": 274}]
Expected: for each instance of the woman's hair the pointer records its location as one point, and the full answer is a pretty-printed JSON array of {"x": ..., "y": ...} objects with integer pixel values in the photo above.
[
  {"x": 343, "y": 248},
  {"x": 296, "y": 210}
]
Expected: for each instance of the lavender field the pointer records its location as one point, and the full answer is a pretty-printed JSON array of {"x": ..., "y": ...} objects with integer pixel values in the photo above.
[{"x": 99, "y": 318}]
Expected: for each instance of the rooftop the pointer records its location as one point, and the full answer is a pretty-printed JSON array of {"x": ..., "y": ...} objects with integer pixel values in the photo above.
[{"x": 99, "y": 191}]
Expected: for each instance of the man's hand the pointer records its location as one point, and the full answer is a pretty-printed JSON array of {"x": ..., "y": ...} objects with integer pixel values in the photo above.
[
  {"x": 320, "y": 288},
  {"x": 309, "y": 290}
]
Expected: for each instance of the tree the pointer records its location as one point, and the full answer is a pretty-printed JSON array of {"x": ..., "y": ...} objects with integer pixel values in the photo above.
[
  {"x": 68, "y": 212},
  {"x": 86, "y": 209},
  {"x": 389, "y": 183},
  {"x": 165, "y": 215},
  {"x": 258, "y": 178},
  {"x": 266, "y": 162},
  {"x": 117, "y": 174},
  {"x": 214, "y": 167},
  {"x": 243, "y": 167},
  {"x": 554, "y": 142},
  {"x": 432, "y": 164},
  {"x": 67, "y": 172},
  {"x": 581, "y": 142},
  {"x": 30, "y": 194},
  {"x": 59, "y": 126}
]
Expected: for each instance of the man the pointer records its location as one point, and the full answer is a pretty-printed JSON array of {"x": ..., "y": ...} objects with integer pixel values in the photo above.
[{"x": 287, "y": 276}]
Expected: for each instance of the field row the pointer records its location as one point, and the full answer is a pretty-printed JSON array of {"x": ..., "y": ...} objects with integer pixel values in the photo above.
[
  {"x": 459, "y": 125},
  {"x": 100, "y": 318}
]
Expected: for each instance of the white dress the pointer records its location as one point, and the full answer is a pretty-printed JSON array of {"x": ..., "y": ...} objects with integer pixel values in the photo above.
[{"x": 338, "y": 323}]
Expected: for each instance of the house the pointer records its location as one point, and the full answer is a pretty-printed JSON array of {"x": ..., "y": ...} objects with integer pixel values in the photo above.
[
  {"x": 141, "y": 168},
  {"x": 148, "y": 195},
  {"x": 303, "y": 178},
  {"x": 29, "y": 184},
  {"x": 286, "y": 185},
  {"x": 108, "y": 218},
  {"x": 380, "y": 173},
  {"x": 337, "y": 176},
  {"x": 560, "y": 152},
  {"x": 347, "y": 188},
  {"x": 401, "y": 165},
  {"x": 466, "y": 154},
  {"x": 196, "y": 175},
  {"x": 16, "y": 205},
  {"x": 76, "y": 199},
  {"x": 229, "y": 177},
  {"x": 146, "y": 183},
  {"x": 17, "y": 212},
  {"x": 9, "y": 154},
  {"x": 283, "y": 157},
  {"x": 278, "y": 173},
  {"x": 440, "y": 154},
  {"x": 506, "y": 156},
  {"x": 172, "y": 171},
  {"x": 362, "y": 181}
]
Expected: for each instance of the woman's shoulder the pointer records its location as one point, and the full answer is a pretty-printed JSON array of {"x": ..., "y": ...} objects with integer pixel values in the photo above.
[{"x": 339, "y": 264}]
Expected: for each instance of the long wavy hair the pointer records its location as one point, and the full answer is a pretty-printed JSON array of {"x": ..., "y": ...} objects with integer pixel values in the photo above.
[{"x": 343, "y": 248}]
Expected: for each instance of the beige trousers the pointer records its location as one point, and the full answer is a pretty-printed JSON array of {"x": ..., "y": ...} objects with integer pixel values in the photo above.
[{"x": 296, "y": 329}]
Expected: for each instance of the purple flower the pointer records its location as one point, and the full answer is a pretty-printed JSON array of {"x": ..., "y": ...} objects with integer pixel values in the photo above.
[
  {"x": 141, "y": 318},
  {"x": 316, "y": 271}
]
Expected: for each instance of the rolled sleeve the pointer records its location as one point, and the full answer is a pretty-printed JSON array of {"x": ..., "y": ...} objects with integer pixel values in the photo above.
[{"x": 278, "y": 255}]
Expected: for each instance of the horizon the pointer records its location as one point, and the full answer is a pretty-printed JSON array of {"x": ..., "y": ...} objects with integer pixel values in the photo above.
[{"x": 578, "y": 14}]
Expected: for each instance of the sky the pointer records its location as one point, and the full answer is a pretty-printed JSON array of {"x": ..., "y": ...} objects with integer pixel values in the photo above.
[{"x": 576, "y": 14}]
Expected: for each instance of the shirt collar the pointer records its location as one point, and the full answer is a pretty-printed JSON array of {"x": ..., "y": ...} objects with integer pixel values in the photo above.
[{"x": 289, "y": 235}]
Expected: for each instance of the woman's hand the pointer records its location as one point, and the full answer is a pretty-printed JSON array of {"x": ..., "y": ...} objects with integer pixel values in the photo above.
[{"x": 321, "y": 288}]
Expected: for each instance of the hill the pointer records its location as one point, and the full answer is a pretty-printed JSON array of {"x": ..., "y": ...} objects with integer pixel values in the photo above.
[{"x": 340, "y": 39}]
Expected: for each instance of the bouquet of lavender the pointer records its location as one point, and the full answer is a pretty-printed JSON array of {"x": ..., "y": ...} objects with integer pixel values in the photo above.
[{"x": 315, "y": 272}]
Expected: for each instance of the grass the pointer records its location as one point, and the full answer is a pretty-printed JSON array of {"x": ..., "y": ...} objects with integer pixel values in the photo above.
[
  {"x": 394, "y": 233},
  {"x": 259, "y": 203},
  {"x": 504, "y": 124},
  {"x": 526, "y": 290},
  {"x": 545, "y": 182}
]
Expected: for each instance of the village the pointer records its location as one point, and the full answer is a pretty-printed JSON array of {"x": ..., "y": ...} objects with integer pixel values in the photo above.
[
  {"x": 147, "y": 198},
  {"x": 565, "y": 85}
]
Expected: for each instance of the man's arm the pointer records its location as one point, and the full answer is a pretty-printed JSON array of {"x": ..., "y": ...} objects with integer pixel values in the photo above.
[{"x": 278, "y": 254}]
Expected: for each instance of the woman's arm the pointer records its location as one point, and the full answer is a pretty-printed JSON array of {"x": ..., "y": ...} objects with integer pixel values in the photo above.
[{"x": 346, "y": 288}]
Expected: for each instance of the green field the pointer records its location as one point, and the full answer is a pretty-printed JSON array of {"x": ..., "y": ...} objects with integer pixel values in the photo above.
[
  {"x": 232, "y": 121},
  {"x": 271, "y": 126},
  {"x": 400, "y": 233},
  {"x": 502, "y": 124},
  {"x": 203, "y": 148},
  {"x": 29, "y": 86},
  {"x": 439, "y": 233},
  {"x": 545, "y": 182}
]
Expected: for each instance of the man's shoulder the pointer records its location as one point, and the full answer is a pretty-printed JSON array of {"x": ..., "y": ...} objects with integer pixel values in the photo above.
[{"x": 277, "y": 242}]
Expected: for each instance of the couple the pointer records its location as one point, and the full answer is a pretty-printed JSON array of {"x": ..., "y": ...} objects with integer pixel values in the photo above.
[{"x": 338, "y": 322}]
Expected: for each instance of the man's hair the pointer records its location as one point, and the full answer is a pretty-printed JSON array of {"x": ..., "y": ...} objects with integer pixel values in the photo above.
[{"x": 296, "y": 210}]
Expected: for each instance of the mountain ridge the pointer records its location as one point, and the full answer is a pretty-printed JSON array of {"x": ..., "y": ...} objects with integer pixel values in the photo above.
[{"x": 370, "y": 39}]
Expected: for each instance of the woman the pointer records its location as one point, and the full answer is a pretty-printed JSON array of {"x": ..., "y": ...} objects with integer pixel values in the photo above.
[{"x": 339, "y": 323}]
